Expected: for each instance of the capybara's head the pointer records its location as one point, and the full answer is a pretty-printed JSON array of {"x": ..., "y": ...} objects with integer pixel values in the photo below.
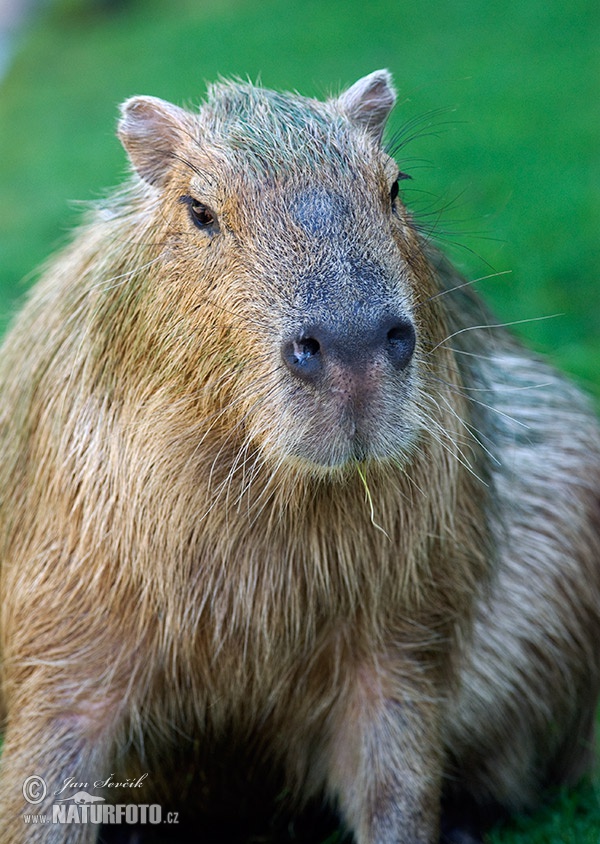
[{"x": 295, "y": 265}]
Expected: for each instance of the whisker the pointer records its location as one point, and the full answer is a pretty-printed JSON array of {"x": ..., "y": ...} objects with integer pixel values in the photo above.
[
  {"x": 458, "y": 391},
  {"x": 121, "y": 279},
  {"x": 408, "y": 133},
  {"x": 242, "y": 318},
  {"x": 239, "y": 462},
  {"x": 399, "y": 465},
  {"x": 449, "y": 445},
  {"x": 498, "y": 388},
  {"x": 473, "y": 432},
  {"x": 468, "y": 283},
  {"x": 476, "y": 355},
  {"x": 489, "y": 326}
]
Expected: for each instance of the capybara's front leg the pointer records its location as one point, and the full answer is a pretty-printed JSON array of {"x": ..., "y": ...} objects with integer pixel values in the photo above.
[
  {"x": 40, "y": 754},
  {"x": 385, "y": 768}
]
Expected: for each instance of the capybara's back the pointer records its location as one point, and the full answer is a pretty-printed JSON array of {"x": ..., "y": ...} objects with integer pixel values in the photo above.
[{"x": 282, "y": 508}]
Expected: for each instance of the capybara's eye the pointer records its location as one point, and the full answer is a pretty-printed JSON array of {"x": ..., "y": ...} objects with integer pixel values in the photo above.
[
  {"x": 201, "y": 214},
  {"x": 395, "y": 188}
]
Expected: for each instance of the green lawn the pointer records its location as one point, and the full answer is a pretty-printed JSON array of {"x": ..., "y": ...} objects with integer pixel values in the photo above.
[
  {"x": 505, "y": 163},
  {"x": 573, "y": 818}
]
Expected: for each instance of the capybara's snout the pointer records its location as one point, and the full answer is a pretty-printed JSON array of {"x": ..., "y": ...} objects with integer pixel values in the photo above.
[{"x": 353, "y": 346}]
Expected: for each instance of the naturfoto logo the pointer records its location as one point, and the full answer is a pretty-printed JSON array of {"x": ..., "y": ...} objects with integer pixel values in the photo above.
[{"x": 73, "y": 803}]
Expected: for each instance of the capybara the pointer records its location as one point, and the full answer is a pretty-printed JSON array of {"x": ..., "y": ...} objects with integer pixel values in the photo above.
[{"x": 285, "y": 513}]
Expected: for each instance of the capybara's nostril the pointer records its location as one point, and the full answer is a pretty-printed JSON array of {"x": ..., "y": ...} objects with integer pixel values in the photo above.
[
  {"x": 308, "y": 355},
  {"x": 303, "y": 357},
  {"x": 400, "y": 343}
]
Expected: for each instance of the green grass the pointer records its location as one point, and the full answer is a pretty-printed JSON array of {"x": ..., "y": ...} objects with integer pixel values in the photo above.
[
  {"x": 507, "y": 173},
  {"x": 573, "y": 818}
]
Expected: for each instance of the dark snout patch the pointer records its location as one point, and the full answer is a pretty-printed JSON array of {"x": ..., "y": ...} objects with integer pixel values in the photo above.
[{"x": 321, "y": 213}]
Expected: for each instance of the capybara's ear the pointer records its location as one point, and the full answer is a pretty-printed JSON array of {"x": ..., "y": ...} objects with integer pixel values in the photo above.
[
  {"x": 369, "y": 102},
  {"x": 151, "y": 129}
]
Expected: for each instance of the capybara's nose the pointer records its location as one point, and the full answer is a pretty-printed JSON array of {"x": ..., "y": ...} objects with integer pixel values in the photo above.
[{"x": 354, "y": 346}]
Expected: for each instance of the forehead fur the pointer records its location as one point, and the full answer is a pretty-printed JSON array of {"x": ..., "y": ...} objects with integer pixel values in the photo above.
[{"x": 269, "y": 131}]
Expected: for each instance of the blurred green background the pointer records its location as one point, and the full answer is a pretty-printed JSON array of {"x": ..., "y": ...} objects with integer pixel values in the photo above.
[
  {"x": 505, "y": 162},
  {"x": 505, "y": 99}
]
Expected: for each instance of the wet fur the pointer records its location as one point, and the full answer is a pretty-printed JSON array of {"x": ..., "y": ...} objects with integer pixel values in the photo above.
[{"x": 186, "y": 590}]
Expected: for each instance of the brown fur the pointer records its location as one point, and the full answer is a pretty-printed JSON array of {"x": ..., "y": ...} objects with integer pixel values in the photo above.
[{"x": 381, "y": 587}]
